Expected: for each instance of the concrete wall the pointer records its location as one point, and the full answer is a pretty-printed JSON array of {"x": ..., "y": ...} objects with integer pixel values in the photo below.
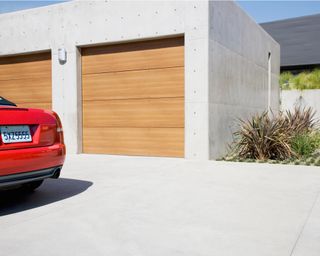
[
  {"x": 238, "y": 69},
  {"x": 82, "y": 23},
  {"x": 211, "y": 85},
  {"x": 296, "y": 98}
]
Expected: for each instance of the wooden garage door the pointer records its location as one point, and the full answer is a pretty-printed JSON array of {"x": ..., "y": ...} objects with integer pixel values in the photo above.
[
  {"x": 26, "y": 80},
  {"x": 133, "y": 98}
]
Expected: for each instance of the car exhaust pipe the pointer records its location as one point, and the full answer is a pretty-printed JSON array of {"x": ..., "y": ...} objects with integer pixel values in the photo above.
[{"x": 56, "y": 173}]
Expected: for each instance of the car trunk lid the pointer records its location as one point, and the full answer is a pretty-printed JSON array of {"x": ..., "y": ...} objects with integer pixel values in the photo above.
[{"x": 41, "y": 123}]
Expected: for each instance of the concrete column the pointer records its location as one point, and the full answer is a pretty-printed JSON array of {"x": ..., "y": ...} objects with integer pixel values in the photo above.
[
  {"x": 196, "y": 80},
  {"x": 66, "y": 96}
]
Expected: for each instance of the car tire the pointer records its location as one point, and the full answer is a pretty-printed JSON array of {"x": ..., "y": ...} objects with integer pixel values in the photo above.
[{"x": 31, "y": 186}]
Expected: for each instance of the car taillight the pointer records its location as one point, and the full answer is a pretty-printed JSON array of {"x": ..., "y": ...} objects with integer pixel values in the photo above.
[{"x": 59, "y": 129}]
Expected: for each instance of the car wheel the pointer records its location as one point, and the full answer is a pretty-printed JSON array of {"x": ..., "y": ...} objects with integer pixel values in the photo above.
[{"x": 31, "y": 186}]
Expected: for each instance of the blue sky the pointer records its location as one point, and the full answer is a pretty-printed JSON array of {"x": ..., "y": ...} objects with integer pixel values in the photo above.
[
  {"x": 11, "y": 6},
  {"x": 264, "y": 11},
  {"x": 261, "y": 11}
]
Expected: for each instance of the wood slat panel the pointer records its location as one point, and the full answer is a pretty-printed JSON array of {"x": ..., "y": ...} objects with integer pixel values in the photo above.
[
  {"x": 42, "y": 105},
  {"x": 27, "y": 90},
  {"x": 167, "y": 112},
  {"x": 26, "y": 80},
  {"x": 133, "y": 46},
  {"x": 133, "y": 98},
  {"x": 154, "y": 83},
  {"x": 133, "y": 56},
  {"x": 25, "y": 66},
  {"x": 135, "y": 141}
]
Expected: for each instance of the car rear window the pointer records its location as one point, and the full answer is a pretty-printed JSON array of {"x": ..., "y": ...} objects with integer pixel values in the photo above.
[{"x": 5, "y": 102}]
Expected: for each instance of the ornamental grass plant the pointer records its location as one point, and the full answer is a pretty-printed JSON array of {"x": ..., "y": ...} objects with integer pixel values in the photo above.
[
  {"x": 262, "y": 137},
  {"x": 287, "y": 136}
]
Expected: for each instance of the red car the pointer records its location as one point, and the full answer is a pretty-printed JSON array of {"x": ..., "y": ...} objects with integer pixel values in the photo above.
[{"x": 31, "y": 146}]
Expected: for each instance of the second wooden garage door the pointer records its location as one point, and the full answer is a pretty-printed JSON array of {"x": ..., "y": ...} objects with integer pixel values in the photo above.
[
  {"x": 133, "y": 98},
  {"x": 26, "y": 80}
]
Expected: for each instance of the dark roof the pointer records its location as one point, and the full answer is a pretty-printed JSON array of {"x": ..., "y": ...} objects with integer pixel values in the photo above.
[{"x": 299, "y": 39}]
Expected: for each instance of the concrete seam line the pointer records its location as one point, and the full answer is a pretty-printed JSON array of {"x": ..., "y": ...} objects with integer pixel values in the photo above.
[{"x": 305, "y": 223}]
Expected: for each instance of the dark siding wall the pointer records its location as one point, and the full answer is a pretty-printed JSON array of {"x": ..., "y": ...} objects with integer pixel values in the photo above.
[{"x": 299, "y": 39}]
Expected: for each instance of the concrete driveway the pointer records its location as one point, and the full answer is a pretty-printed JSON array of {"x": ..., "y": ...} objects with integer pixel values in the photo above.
[{"x": 106, "y": 205}]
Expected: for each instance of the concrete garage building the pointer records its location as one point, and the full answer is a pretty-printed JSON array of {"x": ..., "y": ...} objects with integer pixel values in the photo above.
[{"x": 143, "y": 78}]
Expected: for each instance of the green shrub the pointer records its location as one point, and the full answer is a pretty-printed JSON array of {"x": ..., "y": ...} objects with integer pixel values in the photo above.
[
  {"x": 302, "y": 81},
  {"x": 316, "y": 138},
  {"x": 298, "y": 81},
  {"x": 303, "y": 145},
  {"x": 314, "y": 79},
  {"x": 285, "y": 79}
]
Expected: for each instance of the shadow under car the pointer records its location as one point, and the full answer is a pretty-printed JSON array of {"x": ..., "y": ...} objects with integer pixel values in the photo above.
[{"x": 52, "y": 190}]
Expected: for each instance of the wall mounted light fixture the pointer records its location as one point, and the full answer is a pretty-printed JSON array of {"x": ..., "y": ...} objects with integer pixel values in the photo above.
[{"x": 62, "y": 55}]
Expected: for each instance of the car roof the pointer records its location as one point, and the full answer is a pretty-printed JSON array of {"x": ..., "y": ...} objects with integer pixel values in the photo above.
[{"x": 5, "y": 102}]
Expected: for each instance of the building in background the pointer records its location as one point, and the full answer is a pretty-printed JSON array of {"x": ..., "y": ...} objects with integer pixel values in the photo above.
[
  {"x": 299, "y": 39},
  {"x": 147, "y": 78}
]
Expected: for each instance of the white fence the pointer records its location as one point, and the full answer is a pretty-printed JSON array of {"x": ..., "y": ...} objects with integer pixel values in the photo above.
[{"x": 305, "y": 98}]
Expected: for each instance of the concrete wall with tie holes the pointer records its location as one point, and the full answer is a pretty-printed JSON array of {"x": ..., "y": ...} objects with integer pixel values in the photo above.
[
  {"x": 244, "y": 66},
  {"x": 224, "y": 62}
]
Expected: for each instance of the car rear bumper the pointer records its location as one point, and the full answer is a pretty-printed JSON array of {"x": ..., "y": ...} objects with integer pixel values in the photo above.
[
  {"x": 20, "y": 178},
  {"x": 18, "y": 161}
]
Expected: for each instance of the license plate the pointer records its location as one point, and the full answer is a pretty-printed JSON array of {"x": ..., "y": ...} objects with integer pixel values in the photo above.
[{"x": 15, "y": 134}]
